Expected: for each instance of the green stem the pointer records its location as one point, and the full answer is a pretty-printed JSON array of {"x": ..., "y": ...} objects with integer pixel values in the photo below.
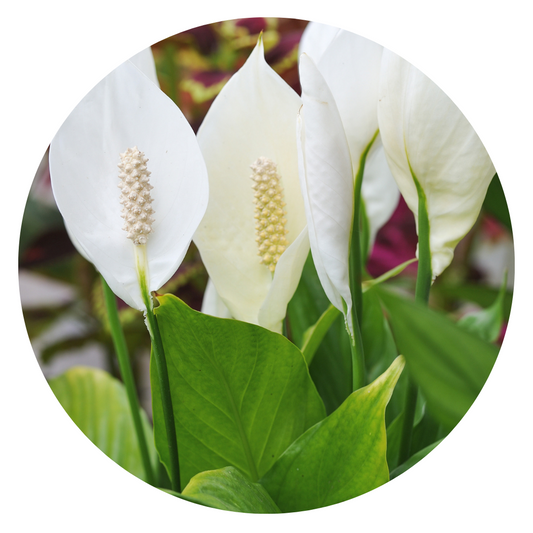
[
  {"x": 166, "y": 400},
  {"x": 121, "y": 350},
  {"x": 356, "y": 269},
  {"x": 358, "y": 353},
  {"x": 161, "y": 368},
  {"x": 423, "y": 286}
]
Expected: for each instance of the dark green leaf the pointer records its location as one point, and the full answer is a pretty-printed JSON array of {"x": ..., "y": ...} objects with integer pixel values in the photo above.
[
  {"x": 339, "y": 458},
  {"x": 418, "y": 456},
  {"x": 495, "y": 202},
  {"x": 98, "y": 405},
  {"x": 316, "y": 333},
  {"x": 241, "y": 394},
  {"x": 449, "y": 364},
  {"x": 331, "y": 365},
  {"x": 380, "y": 349},
  {"x": 425, "y": 432},
  {"x": 229, "y": 490}
]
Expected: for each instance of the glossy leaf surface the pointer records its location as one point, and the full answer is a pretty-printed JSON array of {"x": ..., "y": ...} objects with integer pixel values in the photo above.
[
  {"x": 331, "y": 364},
  {"x": 241, "y": 394},
  {"x": 340, "y": 458}
]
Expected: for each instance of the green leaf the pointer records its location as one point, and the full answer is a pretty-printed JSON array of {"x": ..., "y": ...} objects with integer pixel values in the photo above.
[
  {"x": 98, "y": 405},
  {"x": 331, "y": 367},
  {"x": 487, "y": 323},
  {"x": 341, "y": 457},
  {"x": 229, "y": 490},
  {"x": 449, "y": 364},
  {"x": 380, "y": 350},
  {"x": 417, "y": 457},
  {"x": 495, "y": 202},
  {"x": 393, "y": 272},
  {"x": 316, "y": 333},
  {"x": 425, "y": 432},
  {"x": 241, "y": 394}
]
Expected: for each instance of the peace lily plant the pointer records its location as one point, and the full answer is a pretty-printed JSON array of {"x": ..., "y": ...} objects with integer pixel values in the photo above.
[
  {"x": 134, "y": 224},
  {"x": 435, "y": 155},
  {"x": 130, "y": 182},
  {"x": 253, "y": 238},
  {"x": 255, "y": 391},
  {"x": 343, "y": 167}
]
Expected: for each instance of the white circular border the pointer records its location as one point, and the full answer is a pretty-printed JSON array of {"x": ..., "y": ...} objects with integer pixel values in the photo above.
[{"x": 53, "y": 478}]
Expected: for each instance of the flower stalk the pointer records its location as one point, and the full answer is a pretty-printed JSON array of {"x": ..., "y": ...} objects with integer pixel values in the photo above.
[
  {"x": 121, "y": 350},
  {"x": 166, "y": 399},
  {"x": 423, "y": 286},
  {"x": 356, "y": 268}
]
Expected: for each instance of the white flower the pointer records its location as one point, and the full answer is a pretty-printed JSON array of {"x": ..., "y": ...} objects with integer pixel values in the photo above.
[
  {"x": 427, "y": 138},
  {"x": 126, "y": 120},
  {"x": 338, "y": 127},
  {"x": 212, "y": 304},
  {"x": 350, "y": 65},
  {"x": 315, "y": 39},
  {"x": 253, "y": 239}
]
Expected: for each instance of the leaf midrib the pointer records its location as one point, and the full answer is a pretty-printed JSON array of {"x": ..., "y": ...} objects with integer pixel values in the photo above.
[{"x": 245, "y": 444}]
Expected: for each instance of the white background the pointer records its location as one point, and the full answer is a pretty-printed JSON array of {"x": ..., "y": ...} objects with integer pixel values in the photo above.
[{"x": 53, "y": 479}]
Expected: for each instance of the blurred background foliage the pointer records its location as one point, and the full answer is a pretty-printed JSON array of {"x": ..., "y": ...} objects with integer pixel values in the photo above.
[{"x": 61, "y": 293}]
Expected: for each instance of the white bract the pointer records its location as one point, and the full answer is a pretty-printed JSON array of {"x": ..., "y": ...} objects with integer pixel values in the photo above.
[
  {"x": 315, "y": 39},
  {"x": 428, "y": 139},
  {"x": 212, "y": 303},
  {"x": 134, "y": 223},
  {"x": 326, "y": 177},
  {"x": 351, "y": 65},
  {"x": 337, "y": 125},
  {"x": 253, "y": 239}
]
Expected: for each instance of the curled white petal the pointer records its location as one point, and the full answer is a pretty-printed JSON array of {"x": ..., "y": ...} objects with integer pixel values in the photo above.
[
  {"x": 326, "y": 178},
  {"x": 125, "y": 110},
  {"x": 351, "y": 67},
  {"x": 423, "y": 129}
]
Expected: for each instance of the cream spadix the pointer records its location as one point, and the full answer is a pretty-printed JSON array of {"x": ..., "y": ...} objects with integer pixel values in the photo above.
[
  {"x": 159, "y": 208},
  {"x": 253, "y": 238}
]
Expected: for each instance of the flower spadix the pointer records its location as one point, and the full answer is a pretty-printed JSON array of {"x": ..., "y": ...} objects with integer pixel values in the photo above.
[
  {"x": 130, "y": 181},
  {"x": 253, "y": 238},
  {"x": 430, "y": 142}
]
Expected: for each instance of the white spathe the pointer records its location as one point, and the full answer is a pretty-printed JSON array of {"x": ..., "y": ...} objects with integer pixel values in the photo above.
[
  {"x": 253, "y": 116},
  {"x": 326, "y": 177},
  {"x": 351, "y": 66},
  {"x": 423, "y": 130},
  {"x": 315, "y": 39},
  {"x": 212, "y": 304},
  {"x": 125, "y": 110}
]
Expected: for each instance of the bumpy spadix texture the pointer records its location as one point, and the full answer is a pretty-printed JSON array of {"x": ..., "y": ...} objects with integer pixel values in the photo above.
[
  {"x": 269, "y": 213},
  {"x": 125, "y": 110},
  {"x": 252, "y": 118},
  {"x": 135, "y": 195}
]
